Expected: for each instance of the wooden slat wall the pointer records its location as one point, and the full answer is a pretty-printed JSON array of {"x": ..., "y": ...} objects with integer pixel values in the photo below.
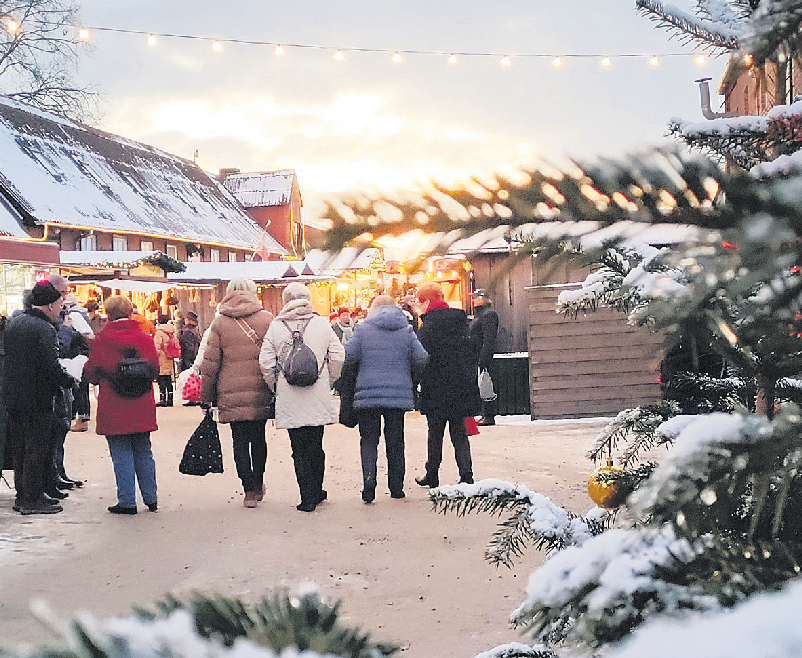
[{"x": 595, "y": 365}]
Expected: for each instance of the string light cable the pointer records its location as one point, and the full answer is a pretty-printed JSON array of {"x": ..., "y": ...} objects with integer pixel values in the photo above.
[{"x": 397, "y": 55}]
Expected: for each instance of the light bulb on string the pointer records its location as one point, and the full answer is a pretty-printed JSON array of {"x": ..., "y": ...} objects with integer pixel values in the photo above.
[
  {"x": 279, "y": 50},
  {"x": 83, "y": 34},
  {"x": 217, "y": 47},
  {"x": 506, "y": 61},
  {"x": 397, "y": 59},
  {"x": 151, "y": 40},
  {"x": 700, "y": 60},
  {"x": 606, "y": 62},
  {"x": 747, "y": 59},
  {"x": 452, "y": 60},
  {"x": 338, "y": 56},
  {"x": 654, "y": 61},
  {"x": 557, "y": 62}
]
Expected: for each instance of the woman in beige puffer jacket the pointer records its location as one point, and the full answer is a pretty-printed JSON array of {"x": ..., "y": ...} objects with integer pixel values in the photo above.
[{"x": 232, "y": 381}]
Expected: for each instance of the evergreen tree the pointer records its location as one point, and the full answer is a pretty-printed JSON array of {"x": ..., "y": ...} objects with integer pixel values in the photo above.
[{"x": 716, "y": 520}]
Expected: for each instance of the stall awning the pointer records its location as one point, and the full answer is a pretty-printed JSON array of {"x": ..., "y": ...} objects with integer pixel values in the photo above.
[{"x": 127, "y": 284}]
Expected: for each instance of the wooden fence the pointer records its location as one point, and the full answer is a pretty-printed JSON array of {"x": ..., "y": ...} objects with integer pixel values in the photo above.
[{"x": 594, "y": 365}]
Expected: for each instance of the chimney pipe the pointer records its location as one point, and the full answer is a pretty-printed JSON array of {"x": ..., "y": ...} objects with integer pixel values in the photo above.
[{"x": 704, "y": 97}]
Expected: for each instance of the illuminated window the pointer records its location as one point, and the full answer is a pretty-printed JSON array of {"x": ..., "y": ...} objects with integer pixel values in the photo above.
[
  {"x": 119, "y": 243},
  {"x": 214, "y": 255},
  {"x": 146, "y": 246},
  {"x": 172, "y": 251},
  {"x": 232, "y": 256}
]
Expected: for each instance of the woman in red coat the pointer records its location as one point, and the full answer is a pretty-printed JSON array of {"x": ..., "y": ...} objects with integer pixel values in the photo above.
[{"x": 125, "y": 421}]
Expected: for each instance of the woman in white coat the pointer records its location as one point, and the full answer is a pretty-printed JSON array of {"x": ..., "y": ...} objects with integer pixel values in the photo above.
[{"x": 303, "y": 410}]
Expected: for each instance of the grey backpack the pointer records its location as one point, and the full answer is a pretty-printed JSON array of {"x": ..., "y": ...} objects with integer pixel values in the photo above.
[{"x": 299, "y": 363}]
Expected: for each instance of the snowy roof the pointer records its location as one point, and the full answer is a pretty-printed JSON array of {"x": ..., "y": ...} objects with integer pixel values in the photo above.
[
  {"x": 334, "y": 264},
  {"x": 62, "y": 172},
  {"x": 10, "y": 221},
  {"x": 259, "y": 271},
  {"x": 267, "y": 188}
]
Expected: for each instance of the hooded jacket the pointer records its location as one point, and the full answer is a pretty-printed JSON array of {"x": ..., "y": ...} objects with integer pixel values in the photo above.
[
  {"x": 164, "y": 333},
  {"x": 388, "y": 357},
  {"x": 118, "y": 415},
  {"x": 230, "y": 374},
  {"x": 449, "y": 386},
  {"x": 303, "y": 406}
]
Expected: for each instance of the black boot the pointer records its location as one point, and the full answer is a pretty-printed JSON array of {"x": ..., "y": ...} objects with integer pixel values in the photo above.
[
  {"x": 369, "y": 491},
  {"x": 169, "y": 402},
  {"x": 429, "y": 480}
]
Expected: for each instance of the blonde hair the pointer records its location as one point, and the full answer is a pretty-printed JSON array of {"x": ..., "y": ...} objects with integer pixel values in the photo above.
[
  {"x": 118, "y": 307},
  {"x": 430, "y": 291},
  {"x": 295, "y": 291},
  {"x": 241, "y": 284},
  {"x": 382, "y": 300}
]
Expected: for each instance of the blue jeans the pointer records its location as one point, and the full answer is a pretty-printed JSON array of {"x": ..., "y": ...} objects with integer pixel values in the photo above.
[{"x": 133, "y": 461}]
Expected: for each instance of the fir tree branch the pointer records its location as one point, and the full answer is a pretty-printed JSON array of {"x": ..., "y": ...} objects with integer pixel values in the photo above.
[{"x": 688, "y": 28}]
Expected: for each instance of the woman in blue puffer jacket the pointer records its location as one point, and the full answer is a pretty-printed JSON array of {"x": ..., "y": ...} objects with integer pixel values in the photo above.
[{"x": 387, "y": 357}]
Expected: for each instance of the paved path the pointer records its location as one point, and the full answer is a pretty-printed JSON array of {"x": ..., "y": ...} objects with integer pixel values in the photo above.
[{"x": 402, "y": 572}]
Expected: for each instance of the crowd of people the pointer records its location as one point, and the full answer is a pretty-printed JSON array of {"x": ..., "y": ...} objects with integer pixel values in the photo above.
[{"x": 419, "y": 353}]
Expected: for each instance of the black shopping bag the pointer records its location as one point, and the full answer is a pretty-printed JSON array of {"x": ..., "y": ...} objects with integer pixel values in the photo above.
[{"x": 203, "y": 453}]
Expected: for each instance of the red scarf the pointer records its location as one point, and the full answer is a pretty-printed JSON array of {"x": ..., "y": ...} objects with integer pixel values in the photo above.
[{"x": 440, "y": 303}]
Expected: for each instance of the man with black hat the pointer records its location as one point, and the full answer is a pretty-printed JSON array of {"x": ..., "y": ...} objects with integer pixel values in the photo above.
[
  {"x": 33, "y": 377},
  {"x": 483, "y": 330}
]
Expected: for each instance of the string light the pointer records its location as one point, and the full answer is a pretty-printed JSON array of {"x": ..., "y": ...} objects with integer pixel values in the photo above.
[
  {"x": 748, "y": 59},
  {"x": 84, "y": 34},
  {"x": 217, "y": 47}
]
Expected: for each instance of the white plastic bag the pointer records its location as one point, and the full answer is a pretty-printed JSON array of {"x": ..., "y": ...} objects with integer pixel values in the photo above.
[{"x": 486, "y": 390}]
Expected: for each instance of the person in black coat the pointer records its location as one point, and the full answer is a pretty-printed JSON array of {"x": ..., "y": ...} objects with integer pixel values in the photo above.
[
  {"x": 33, "y": 376},
  {"x": 189, "y": 338},
  {"x": 449, "y": 387},
  {"x": 483, "y": 331}
]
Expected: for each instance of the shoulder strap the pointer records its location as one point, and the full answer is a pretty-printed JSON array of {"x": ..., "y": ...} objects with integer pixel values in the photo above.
[
  {"x": 249, "y": 332},
  {"x": 301, "y": 329}
]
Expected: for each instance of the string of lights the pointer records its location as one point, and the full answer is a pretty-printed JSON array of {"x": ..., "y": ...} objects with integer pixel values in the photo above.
[{"x": 397, "y": 55}]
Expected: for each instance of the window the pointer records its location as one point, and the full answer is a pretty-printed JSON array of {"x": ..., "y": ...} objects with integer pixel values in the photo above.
[
  {"x": 172, "y": 251},
  {"x": 88, "y": 243},
  {"x": 232, "y": 256},
  {"x": 119, "y": 243},
  {"x": 214, "y": 255},
  {"x": 145, "y": 245}
]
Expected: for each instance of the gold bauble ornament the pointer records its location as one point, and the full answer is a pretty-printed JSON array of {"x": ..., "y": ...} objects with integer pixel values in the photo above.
[{"x": 605, "y": 493}]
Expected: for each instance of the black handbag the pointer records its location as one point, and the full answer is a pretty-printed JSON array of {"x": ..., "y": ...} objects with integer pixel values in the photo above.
[{"x": 203, "y": 453}]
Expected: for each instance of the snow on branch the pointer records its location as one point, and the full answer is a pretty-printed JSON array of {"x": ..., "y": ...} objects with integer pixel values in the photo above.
[
  {"x": 534, "y": 517},
  {"x": 518, "y": 650},
  {"x": 724, "y": 634},
  {"x": 571, "y": 596},
  {"x": 722, "y": 30}
]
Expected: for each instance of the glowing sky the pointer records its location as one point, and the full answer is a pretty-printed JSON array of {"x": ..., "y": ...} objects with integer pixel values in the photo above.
[{"x": 365, "y": 121}]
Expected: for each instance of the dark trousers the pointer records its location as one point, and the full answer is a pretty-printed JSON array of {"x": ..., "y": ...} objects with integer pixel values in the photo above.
[
  {"x": 81, "y": 404},
  {"x": 165, "y": 389},
  {"x": 459, "y": 439},
  {"x": 32, "y": 433},
  {"x": 250, "y": 452},
  {"x": 370, "y": 425},
  {"x": 489, "y": 409},
  {"x": 309, "y": 460}
]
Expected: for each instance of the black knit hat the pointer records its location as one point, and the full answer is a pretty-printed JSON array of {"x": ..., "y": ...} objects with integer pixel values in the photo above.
[{"x": 44, "y": 293}]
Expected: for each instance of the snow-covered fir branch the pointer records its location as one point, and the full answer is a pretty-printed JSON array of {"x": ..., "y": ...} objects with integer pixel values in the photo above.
[
  {"x": 765, "y": 625},
  {"x": 640, "y": 424},
  {"x": 598, "y": 592},
  {"x": 720, "y": 28},
  {"x": 518, "y": 650},
  {"x": 535, "y": 519}
]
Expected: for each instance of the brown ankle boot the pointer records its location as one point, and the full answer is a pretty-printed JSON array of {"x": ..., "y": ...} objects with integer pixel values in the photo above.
[{"x": 250, "y": 499}]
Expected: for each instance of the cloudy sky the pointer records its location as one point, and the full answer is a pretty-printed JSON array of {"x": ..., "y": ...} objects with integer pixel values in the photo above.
[{"x": 366, "y": 121}]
